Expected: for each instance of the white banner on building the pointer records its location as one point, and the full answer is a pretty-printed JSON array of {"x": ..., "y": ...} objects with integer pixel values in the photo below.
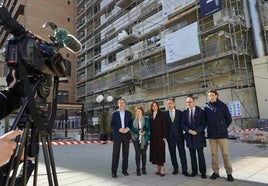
[
  {"x": 235, "y": 109},
  {"x": 182, "y": 44}
]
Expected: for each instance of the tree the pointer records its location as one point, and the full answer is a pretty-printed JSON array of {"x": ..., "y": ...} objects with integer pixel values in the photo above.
[{"x": 105, "y": 128}]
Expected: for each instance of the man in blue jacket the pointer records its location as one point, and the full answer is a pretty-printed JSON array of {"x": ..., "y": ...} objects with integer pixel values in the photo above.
[
  {"x": 218, "y": 119},
  {"x": 193, "y": 123},
  {"x": 121, "y": 122}
]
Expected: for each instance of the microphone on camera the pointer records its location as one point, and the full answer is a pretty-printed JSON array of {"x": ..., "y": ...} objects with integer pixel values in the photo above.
[
  {"x": 68, "y": 40},
  {"x": 65, "y": 38}
]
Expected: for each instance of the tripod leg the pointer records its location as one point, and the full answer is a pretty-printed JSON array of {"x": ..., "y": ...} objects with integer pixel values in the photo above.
[
  {"x": 47, "y": 160},
  {"x": 24, "y": 177},
  {"x": 15, "y": 164},
  {"x": 52, "y": 161},
  {"x": 36, "y": 160}
]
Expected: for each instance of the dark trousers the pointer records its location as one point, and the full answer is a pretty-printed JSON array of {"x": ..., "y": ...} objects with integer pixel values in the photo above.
[
  {"x": 172, "y": 150},
  {"x": 201, "y": 160},
  {"x": 140, "y": 154},
  {"x": 116, "y": 151}
]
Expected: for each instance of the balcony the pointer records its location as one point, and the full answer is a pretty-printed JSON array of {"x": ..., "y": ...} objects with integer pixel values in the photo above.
[{"x": 126, "y": 39}]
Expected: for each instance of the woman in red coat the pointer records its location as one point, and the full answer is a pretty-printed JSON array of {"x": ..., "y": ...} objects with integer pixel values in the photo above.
[{"x": 157, "y": 138}]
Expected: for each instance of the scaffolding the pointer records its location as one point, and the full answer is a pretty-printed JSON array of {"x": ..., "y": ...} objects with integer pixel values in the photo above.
[{"x": 134, "y": 65}]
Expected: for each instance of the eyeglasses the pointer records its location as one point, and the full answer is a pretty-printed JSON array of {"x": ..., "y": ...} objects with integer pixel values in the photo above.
[{"x": 189, "y": 102}]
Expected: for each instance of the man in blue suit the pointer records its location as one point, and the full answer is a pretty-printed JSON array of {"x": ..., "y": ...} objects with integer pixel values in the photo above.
[
  {"x": 175, "y": 137},
  {"x": 193, "y": 123},
  {"x": 121, "y": 122}
]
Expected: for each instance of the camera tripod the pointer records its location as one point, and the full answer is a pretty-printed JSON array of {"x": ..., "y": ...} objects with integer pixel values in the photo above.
[{"x": 36, "y": 129}]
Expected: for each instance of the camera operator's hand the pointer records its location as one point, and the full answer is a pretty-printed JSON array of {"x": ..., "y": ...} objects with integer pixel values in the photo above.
[{"x": 7, "y": 146}]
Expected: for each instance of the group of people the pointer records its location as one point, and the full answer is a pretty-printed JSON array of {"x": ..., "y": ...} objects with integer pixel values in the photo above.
[{"x": 174, "y": 127}]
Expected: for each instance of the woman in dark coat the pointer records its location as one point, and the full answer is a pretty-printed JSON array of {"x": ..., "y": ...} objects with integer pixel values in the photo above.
[{"x": 157, "y": 138}]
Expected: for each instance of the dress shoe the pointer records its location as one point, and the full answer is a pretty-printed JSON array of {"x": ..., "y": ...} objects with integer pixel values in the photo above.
[
  {"x": 203, "y": 176},
  {"x": 138, "y": 172},
  {"x": 193, "y": 174},
  {"x": 185, "y": 173},
  {"x": 125, "y": 173},
  {"x": 214, "y": 176},
  {"x": 230, "y": 177},
  {"x": 114, "y": 175},
  {"x": 144, "y": 171},
  {"x": 175, "y": 172}
]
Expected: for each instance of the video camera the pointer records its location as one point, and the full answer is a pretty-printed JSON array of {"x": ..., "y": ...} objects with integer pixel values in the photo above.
[{"x": 37, "y": 55}]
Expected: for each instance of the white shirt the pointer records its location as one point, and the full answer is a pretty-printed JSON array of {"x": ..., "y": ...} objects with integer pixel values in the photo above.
[
  {"x": 140, "y": 126},
  {"x": 172, "y": 112},
  {"x": 122, "y": 117},
  {"x": 154, "y": 114}
]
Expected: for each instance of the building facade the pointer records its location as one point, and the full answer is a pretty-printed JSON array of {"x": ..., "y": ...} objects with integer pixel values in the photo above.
[{"x": 145, "y": 50}]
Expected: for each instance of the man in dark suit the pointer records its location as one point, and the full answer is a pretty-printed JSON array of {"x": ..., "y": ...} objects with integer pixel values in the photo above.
[
  {"x": 193, "y": 123},
  {"x": 175, "y": 137},
  {"x": 121, "y": 122}
]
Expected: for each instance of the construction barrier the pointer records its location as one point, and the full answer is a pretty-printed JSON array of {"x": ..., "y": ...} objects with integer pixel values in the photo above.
[{"x": 257, "y": 135}]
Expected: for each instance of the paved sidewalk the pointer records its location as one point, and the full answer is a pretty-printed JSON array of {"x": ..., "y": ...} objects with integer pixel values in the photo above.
[{"x": 90, "y": 165}]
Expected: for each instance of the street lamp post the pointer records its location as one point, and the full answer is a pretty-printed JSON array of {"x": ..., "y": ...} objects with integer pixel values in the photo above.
[{"x": 100, "y": 99}]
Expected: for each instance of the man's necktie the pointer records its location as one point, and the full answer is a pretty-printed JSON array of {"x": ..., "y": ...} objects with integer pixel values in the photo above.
[
  {"x": 172, "y": 115},
  {"x": 191, "y": 117}
]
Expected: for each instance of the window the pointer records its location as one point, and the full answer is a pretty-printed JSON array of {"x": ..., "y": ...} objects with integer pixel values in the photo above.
[
  {"x": 180, "y": 25},
  {"x": 97, "y": 67},
  {"x": 109, "y": 11},
  {"x": 97, "y": 8},
  {"x": 63, "y": 96},
  {"x": 81, "y": 90},
  {"x": 64, "y": 81},
  {"x": 68, "y": 2},
  {"x": 97, "y": 38},
  {"x": 68, "y": 19},
  {"x": 97, "y": 50},
  {"x": 97, "y": 23},
  {"x": 112, "y": 58},
  {"x": 81, "y": 76}
]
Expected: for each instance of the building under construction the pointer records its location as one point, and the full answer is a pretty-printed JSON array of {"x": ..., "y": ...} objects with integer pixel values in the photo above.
[{"x": 145, "y": 50}]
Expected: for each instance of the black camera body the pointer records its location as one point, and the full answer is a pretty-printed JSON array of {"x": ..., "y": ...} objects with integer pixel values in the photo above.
[{"x": 38, "y": 56}]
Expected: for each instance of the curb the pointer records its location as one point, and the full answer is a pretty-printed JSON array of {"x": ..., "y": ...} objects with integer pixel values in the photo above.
[{"x": 79, "y": 142}]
